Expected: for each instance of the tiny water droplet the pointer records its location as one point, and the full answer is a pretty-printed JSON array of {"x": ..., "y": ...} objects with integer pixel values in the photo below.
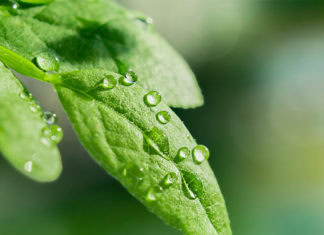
[
  {"x": 152, "y": 99},
  {"x": 51, "y": 135},
  {"x": 163, "y": 117},
  {"x": 145, "y": 20},
  {"x": 150, "y": 196},
  {"x": 200, "y": 153},
  {"x": 156, "y": 142},
  {"x": 129, "y": 79},
  {"x": 149, "y": 20},
  {"x": 34, "y": 107},
  {"x": 56, "y": 133},
  {"x": 48, "y": 62},
  {"x": 169, "y": 179},
  {"x": 47, "y": 142},
  {"x": 15, "y": 5},
  {"x": 28, "y": 166},
  {"x": 183, "y": 153},
  {"x": 50, "y": 117},
  {"x": 25, "y": 96},
  {"x": 109, "y": 82}
]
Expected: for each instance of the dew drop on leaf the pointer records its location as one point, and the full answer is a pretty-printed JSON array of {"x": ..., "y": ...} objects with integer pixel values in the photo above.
[
  {"x": 169, "y": 179},
  {"x": 163, "y": 117},
  {"x": 182, "y": 154},
  {"x": 56, "y": 133},
  {"x": 47, "y": 142},
  {"x": 23, "y": 95},
  {"x": 34, "y": 107},
  {"x": 48, "y": 62},
  {"x": 150, "y": 195},
  {"x": 200, "y": 153},
  {"x": 156, "y": 142},
  {"x": 50, "y": 117},
  {"x": 152, "y": 99},
  {"x": 192, "y": 186},
  {"x": 28, "y": 166},
  {"x": 109, "y": 82},
  {"x": 129, "y": 79}
]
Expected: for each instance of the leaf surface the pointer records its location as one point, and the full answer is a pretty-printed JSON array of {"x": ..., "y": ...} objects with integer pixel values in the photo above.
[
  {"x": 87, "y": 34},
  {"x": 122, "y": 134},
  {"x": 24, "y": 139}
]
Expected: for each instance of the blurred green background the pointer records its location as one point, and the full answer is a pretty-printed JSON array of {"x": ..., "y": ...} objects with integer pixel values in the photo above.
[{"x": 260, "y": 65}]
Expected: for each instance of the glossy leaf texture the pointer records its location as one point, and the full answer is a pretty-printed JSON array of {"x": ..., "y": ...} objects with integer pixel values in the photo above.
[
  {"x": 123, "y": 135},
  {"x": 26, "y": 140},
  {"x": 88, "y": 34}
]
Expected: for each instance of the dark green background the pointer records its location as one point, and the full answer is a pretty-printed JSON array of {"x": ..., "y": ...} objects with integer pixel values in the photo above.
[{"x": 260, "y": 65}]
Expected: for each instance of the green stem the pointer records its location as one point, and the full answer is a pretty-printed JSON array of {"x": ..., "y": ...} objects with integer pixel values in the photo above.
[{"x": 25, "y": 67}]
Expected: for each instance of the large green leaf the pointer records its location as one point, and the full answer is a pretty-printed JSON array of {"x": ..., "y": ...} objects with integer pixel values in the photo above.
[
  {"x": 100, "y": 34},
  {"x": 26, "y": 140},
  {"x": 123, "y": 135}
]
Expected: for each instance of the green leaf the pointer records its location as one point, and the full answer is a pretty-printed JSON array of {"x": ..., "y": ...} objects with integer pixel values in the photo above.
[
  {"x": 26, "y": 140},
  {"x": 88, "y": 34},
  {"x": 122, "y": 134}
]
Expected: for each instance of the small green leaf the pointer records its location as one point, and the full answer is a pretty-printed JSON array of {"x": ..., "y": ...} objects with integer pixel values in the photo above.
[
  {"x": 26, "y": 140},
  {"x": 122, "y": 134}
]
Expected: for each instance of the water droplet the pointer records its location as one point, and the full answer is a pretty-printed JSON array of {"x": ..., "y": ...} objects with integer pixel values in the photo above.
[
  {"x": 150, "y": 196},
  {"x": 149, "y": 20},
  {"x": 129, "y": 79},
  {"x": 183, "y": 153},
  {"x": 15, "y": 5},
  {"x": 109, "y": 82},
  {"x": 135, "y": 174},
  {"x": 28, "y": 166},
  {"x": 200, "y": 153},
  {"x": 192, "y": 186},
  {"x": 50, "y": 117},
  {"x": 152, "y": 99},
  {"x": 169, "y": 179},
  {"x": 56, "y": 133},
  {"x": 145, "y": 20},
  {"x": 23, "y": 95},
  {"x": 47, "y": 142},
  {"x": 51, "y": 135},
  {"x": 48, "y": 62},
  {"x": 156, "y": 142},
  {"x": 163, "y": 117},
  {"x": 34, "y": 107}
]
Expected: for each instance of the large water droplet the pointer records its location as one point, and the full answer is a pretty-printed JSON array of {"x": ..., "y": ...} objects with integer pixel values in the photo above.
[
  {"x": 163, "y": 117},
  {"x": 200, "y": 153},
  {"x": 134, "y": 173},
  {"x": 28, "y": 166},
  {"x": 129, "y": 79},
  {"x": 183, "y": 153},
  {"x": 152, "y": 99},
  {"x": 50, "y": 117},
  {"x": 109, "y": 82},
  {"x": 48, "y": 62},
  {"x": 156, "y": 142},
  {"x": 191, "y": 185},
  {"x": 169, "y": 180},
  {"x": 150, "y": 195}
]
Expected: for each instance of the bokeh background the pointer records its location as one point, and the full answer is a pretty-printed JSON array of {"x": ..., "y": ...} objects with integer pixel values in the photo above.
[{"x": 260, "y": 64}]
